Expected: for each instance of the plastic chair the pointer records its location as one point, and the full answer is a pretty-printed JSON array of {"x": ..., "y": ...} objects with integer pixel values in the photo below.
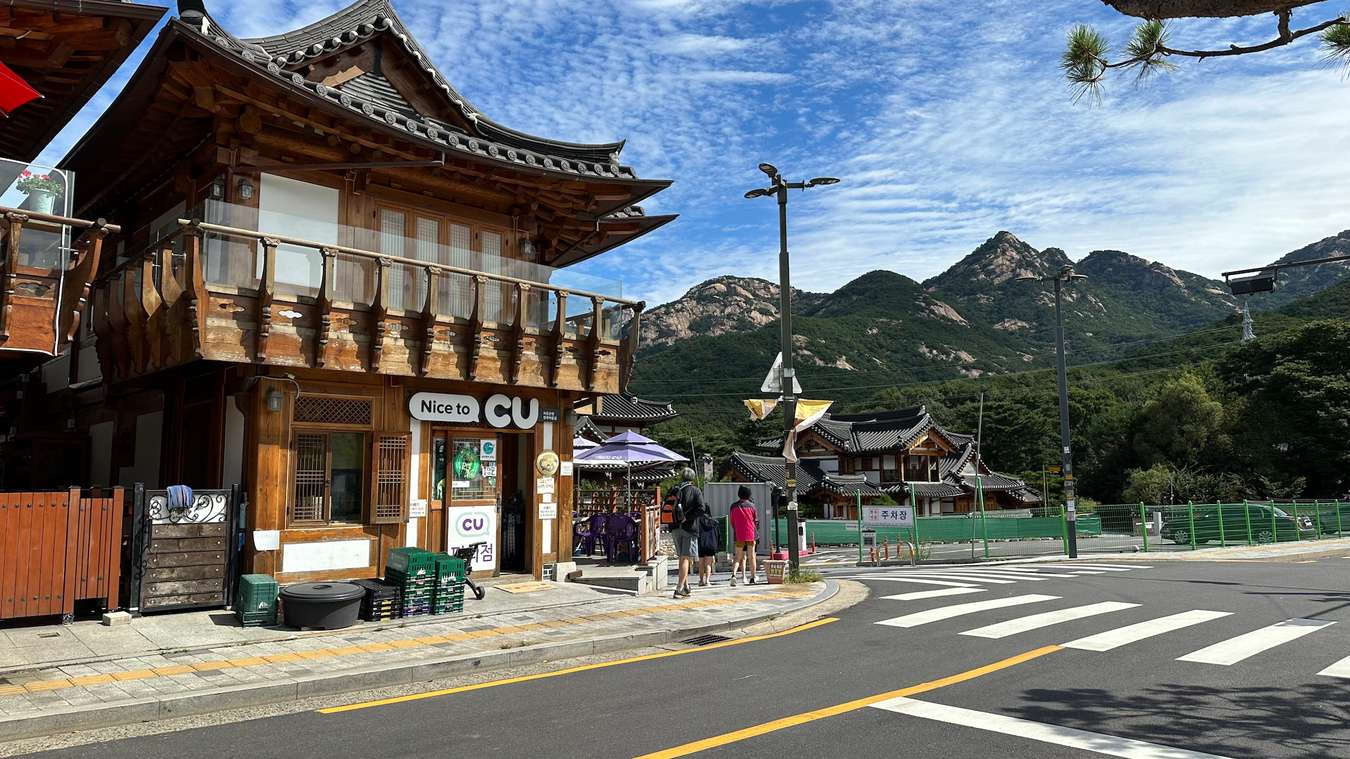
[
  {"x": 597, "y": 527},
  {"x": 623, "y": 537},
  {"x": 581, "y": 537}
]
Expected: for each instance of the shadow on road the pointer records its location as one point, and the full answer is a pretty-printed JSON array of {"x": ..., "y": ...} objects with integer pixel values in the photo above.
[{"x": 1308, "y": 720}]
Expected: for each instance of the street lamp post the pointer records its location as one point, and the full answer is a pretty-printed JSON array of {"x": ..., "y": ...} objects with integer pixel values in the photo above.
[
  {"x": 1061, "y": 278},
  {"x": 778, "y": 188}
]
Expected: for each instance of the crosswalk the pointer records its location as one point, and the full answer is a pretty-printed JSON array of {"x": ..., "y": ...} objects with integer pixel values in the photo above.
[{"x": 953, "y": 588}]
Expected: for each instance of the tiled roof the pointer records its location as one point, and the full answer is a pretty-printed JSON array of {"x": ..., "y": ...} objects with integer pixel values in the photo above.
[
  {"x": 810, "y": 476},
  {"x": 625, "y": 407},
  {"x": 587, "y": 429},
  {"x": 994, "y": 481},
  {"x": 926, "y": 490},
  {"x": 280, "y": 54}
]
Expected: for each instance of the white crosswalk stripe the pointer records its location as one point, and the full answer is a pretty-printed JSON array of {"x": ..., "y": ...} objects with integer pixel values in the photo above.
[
  {"x": 957, "y": 610},
  {"x": 919, "y": 580},
  {"x": 1129, "y": 634},
  {"x": 1234, "y": 650},
  {"x": 1045, "y": 619},
  {"x": 1104, "y": 567},
  {"x": 1339, "y": 669},
  {"x": 1019, "y": 573},
  {"x": 968, "y": 577},
  {"x": 918, "y": 595}
]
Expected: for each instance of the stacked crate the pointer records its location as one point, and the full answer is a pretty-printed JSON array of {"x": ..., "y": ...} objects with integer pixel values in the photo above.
[
  {"x": 450, "y": 575},
  {"x": 413, "y": 571},
  {"x": 256, "y": 602},
  {"x": 383, "y": 600}
]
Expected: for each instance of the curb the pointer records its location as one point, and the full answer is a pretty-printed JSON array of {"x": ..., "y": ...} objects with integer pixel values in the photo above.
[
  {"x": 395, "y": 624},
  {"x": 238, "y": 696}
]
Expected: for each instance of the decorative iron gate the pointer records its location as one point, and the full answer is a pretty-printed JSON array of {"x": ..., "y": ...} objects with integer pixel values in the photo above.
[{"x": 183, "y": 558}]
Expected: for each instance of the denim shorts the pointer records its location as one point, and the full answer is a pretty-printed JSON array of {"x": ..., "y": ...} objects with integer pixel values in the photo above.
[{"x": 686, "y": 543}]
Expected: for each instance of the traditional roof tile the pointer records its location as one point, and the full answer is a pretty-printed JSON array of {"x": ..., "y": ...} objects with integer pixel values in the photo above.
[
  {"x": 810, "y": 476},
  {"x": 624, "y": 407}
]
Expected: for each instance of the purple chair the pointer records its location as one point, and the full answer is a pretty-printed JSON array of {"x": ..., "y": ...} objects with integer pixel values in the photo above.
[
  {"x": 597, "y": 530},
  {"x": 621, "y": 537},
  {"x": 581, "y": 537}
]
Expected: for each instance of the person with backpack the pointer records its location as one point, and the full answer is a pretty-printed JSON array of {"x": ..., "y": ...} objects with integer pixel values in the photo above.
[
  {"x": 709, "y": 538},
  {"x": 744, "y": 523},
  {"x": 687, "y": 511}
]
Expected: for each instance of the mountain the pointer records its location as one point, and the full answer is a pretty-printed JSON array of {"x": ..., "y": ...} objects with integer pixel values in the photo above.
[
  {"x": 716, "y": 307},
  {"x": 715, "y": 343},
  {"x": 1303, "y": 282}
]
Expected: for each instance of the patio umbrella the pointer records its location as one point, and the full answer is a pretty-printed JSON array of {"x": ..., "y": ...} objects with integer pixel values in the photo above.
[
  {"x": 14, "y": 91},
  {"x": 628, "y": 448}
]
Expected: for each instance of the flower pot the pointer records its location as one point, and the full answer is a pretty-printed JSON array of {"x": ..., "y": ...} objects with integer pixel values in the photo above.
[{"x": 41, "y": 201}]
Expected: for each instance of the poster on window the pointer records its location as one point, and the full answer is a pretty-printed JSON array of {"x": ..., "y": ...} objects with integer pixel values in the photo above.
[
  {"x": 469, "y": 525},
  {"x": 487, "y": 450},
  {"x": 470, "y": 477}
]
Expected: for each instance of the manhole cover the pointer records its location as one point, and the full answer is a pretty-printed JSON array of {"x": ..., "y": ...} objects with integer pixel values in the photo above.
[{"x": 704, "y": 640}]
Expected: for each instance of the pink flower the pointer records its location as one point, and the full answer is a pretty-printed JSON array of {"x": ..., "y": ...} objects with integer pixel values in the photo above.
[
  {"x": 27, "y": 173},
  {"x": 44, "y": 177}
]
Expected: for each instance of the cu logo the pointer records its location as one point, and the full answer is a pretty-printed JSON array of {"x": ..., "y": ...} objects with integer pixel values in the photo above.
[{"x": 473, "y": 524}]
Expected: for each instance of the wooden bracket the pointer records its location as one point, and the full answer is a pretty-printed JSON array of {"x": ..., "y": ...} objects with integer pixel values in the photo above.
[
  {"x": 325, "y": 303},
  {"x": 429, "y": 308},
  {"x": 628, "y": 348},
  {"x": 378, "y": 312},
  {"x": 266, "y": 295},
  {"x": 198, "y": 299},
  {"x": 134, "y": 312},
  {"x": 518, "y": 332},
  {"x": 75, "y": 299},
  {"x": 13, "y": 236},
  {"x": 593, "y": 340},
  {"x": 559, "y": 339},
  {"x": 476, "y": 327},
  {"x": 151, "y": 305},
  {"x": 171, "y": 293}
]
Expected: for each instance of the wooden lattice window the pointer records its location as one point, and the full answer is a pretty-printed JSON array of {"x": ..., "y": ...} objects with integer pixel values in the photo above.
[
  {"x": 331, "y": 476},
  {"x": 390, "y": 502},
  {"x": 327, "y": 409},
  {"x": 311, "y": 477}
]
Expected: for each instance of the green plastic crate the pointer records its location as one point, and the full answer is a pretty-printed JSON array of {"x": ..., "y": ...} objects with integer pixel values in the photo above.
[
  {"x": 410, "y": 561},
  {"x": 255, "y": 604}
]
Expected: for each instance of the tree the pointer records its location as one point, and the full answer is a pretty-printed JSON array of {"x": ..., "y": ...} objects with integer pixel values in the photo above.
[
  {"x": 1087, "y": 60},
  {"x": 1182, "y": 425}
]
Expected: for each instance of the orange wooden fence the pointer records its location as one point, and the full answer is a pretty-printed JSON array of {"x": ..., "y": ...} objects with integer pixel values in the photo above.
[{"x": 57, "y": 548}]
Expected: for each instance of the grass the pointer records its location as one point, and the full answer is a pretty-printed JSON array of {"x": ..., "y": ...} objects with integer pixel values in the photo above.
[{"x": 801, "y": 576}]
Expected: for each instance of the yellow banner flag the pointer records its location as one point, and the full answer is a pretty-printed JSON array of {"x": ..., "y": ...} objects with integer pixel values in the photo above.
[
  {"x": 809, "y": 412},
  {"x": 760, "y": 408}
]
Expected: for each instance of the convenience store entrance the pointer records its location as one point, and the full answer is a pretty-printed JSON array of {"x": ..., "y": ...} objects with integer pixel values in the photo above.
[{"x": 477, "y": 487}]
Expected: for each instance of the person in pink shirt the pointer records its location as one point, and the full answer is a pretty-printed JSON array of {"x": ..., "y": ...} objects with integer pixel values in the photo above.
[{"x": 744, "y": 522}]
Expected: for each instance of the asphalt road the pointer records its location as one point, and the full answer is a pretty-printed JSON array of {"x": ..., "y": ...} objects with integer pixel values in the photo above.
[{"x": 1250, "y": 687}]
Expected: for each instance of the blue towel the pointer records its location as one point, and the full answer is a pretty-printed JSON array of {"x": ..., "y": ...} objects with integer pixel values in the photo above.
[{"x": 180, "y": 498}]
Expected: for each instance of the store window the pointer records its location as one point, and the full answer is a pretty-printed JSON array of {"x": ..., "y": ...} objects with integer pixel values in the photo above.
[
  {"x": 472, "y": 475},
  {"x": 330, "y": 476}
]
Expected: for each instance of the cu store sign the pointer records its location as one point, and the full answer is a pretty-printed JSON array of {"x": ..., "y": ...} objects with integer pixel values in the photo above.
[{"x": 500, "y": 411}]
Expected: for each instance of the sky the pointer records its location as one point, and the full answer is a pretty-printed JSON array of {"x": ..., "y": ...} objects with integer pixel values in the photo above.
[{"x": 946, "y": 122}]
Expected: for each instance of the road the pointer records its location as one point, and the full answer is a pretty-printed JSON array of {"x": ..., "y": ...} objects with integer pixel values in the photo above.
[{"x": 1162, "y": 660}]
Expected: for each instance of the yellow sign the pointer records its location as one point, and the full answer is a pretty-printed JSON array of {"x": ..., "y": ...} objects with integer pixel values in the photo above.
[{"x": 547, "y": 463}]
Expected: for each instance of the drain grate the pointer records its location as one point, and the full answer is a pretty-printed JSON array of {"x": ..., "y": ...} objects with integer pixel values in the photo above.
[{"x": 704, "y": 640}]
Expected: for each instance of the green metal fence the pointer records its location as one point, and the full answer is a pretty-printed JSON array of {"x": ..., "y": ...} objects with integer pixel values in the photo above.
[{"x": 1115, "y": 527}]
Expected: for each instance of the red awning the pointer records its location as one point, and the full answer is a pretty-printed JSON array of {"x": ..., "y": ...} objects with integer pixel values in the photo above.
[{"x": 14, "y": 91}]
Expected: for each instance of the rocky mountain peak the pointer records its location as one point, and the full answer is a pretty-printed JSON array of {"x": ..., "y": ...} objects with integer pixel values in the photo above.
[
  {"x": 1001, "y": 259},
  {"x": 715, "y": 307}
]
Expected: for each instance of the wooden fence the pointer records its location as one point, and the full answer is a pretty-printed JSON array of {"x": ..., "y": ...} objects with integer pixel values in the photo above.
[{"x": 57, "y": 548}]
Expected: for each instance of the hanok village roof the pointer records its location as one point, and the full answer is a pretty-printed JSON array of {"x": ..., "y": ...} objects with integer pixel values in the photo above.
[
  {"x": 623, "y": 409},
  {"x": 361, "y": 66},
  {"x": 884, "y": 432}
]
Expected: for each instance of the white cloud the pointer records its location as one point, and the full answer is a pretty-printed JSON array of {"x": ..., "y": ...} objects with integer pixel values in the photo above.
[{"x": 701, "y": 44}]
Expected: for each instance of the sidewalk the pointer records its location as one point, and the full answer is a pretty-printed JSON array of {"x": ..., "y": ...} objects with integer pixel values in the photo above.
[{"x": 175, "y": 665}]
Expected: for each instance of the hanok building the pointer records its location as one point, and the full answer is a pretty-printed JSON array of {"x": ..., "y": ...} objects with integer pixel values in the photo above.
[
  {"x": 606, "y": 485},
  {"x": 902, "y": 455},
  {"x": 608, "y": 415},
  {"x": 60, "y": 53},
  {"x": 339, "y": 283}
]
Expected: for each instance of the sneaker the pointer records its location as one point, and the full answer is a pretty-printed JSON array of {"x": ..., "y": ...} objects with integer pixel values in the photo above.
[
  {"x": 733, "y": 581},
  {"x": 752, "y": 581}
]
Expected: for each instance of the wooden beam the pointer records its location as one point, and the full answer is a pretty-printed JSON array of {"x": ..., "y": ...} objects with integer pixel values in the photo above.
[
  {"x": 325, "y": 303},
  {"x": 151, "y": 308},
  {"x": 378, "y": 312},
  {"x": 476, "y": 327},
  {"x": 198, "y": 298},
  {"x": 266, "y": 293},
  {"x": 558, "y": 339},
  {"x": 13, "y": 238},
  {"x": 593, "y": 340},
  {"x": 75, "y": 298},
  {"x": 518, "y": 332},
  {"x": 171, "y": 291},
  {"x": 429, "y": 308}
]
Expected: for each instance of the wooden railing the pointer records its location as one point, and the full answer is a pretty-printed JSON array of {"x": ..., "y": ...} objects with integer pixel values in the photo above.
[
  {"x": 43, "y": 293},
  {"x": 163, "y": 308}
]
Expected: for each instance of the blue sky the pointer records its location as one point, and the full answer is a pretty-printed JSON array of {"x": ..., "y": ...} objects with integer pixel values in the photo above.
[{"x": 947, "y": 121}]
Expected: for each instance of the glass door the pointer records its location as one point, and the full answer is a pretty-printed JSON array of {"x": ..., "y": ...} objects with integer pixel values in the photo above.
[{"x": 465, "y": 487}]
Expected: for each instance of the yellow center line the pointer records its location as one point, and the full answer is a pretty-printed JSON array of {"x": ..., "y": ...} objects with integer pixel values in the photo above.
[
  {"x": 573, "y": 670},
  {"x": 848, "y": 706}
]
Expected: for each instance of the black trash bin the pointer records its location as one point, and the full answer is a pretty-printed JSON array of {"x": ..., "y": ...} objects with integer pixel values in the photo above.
[{"x": 322, "y": 605}]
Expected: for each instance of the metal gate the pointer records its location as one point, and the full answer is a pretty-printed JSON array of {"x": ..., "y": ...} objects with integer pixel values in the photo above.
[{"x": 183, "y": 558}]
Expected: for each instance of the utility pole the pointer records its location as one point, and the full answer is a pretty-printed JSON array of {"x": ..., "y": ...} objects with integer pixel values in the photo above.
[
  {"x": 787, "y": 376},
  {"x": 979, "y": 482},
  {"x": 1248, "y": 331},
  {"x": 1061, "y": 278}
]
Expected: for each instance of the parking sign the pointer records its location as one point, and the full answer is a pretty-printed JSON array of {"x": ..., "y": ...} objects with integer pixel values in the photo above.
[{"x": 888, "y": 516}]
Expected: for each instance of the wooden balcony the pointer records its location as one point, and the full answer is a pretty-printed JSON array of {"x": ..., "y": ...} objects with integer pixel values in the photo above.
[
  {"x": 46, "y": 277},
  {"x": 223, "y": 293}
]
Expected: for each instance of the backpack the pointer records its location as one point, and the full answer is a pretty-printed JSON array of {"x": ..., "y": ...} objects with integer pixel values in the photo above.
[{"x": 677, "y": 507}]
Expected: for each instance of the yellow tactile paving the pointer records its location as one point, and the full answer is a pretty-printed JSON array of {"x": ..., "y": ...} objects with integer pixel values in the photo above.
[
  {"x": 349, "y": 650},
  {"x": 327, "y": 653},
  {"x": 208, "y": 666},
  {"x": 9, "y": 690},
  {"x": 88, "y": 680},
  {"x": 41, "y": 685},
  {"x": 368, "y": 647},
  {"x": 135, "y": 674},
  {"x": 283, "y": 658},
  {"x": 176, "y": 669},
  {"x": 408, "y": 643},
  {"x": 251, "y": 661}
]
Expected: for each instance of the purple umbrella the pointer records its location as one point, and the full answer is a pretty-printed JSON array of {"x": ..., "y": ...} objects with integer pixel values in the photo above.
[{"x": 627, "y": 448}]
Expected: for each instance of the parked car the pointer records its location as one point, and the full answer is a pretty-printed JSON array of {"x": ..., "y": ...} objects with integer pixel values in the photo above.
[{"x": 1177, "y": 527}]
